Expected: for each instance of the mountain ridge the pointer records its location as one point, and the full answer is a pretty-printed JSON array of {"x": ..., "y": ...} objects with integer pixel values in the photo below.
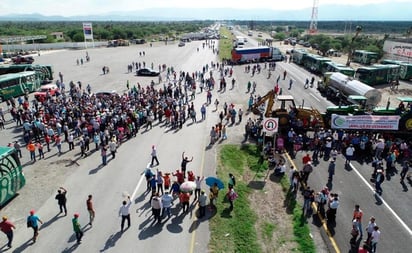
[{"x": 389, "y": 12}]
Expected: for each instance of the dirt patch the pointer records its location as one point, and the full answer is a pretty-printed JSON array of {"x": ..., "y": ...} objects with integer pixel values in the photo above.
[{"x": 268, "y": 198}]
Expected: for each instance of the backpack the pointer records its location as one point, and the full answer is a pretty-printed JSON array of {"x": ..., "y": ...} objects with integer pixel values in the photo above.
[{"x": 29, "y": 222}]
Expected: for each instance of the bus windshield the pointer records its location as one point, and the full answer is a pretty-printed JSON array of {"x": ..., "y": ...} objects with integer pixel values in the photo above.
[{"x": 11, "y": 174}]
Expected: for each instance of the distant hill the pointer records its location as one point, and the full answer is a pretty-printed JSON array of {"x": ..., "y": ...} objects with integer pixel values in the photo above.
[{"x": 379, "y": 11}]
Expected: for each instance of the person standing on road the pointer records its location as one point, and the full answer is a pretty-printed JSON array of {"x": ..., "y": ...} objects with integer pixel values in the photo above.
[
  {"x": 90, "y": 209},
  {"x": 404, "y": 171},
  {"x": 357, "y": 214},
  {"x": 378, "y": 181},
  {"x": 198, "y": 182},
  {"x": 61, "y": 200},
  {"x": 370, "y": 228},
  {"x": 7, "y": 228},
  {"x": 124, "y": 212},
  {"x": 156, "y": 204},
  {"x": 167, "y": 202},
  {"x": 184, "y": 198},
  {"x": 185, "y": 161},
  {"x": 77, "y": 228},
  {"x": 350, "y": 151},
  {"x": 203, "y": 112},
  {"x": 202, "y": 204},
  {"x": 32, "y": 149},
  {"x": 376, "y": 235},
  {"x": 154, "y": 156},
  {"x": 113, "y": 147},
  {"x": 32, "y": 222}
]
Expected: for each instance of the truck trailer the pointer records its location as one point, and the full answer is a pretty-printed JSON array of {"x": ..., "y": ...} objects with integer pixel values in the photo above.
[
  {"x": 338, "y": 87},
  {"x": 256, "y": 54}
]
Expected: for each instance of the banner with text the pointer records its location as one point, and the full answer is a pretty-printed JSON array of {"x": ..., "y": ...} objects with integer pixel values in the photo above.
[
  {"x": 371, "y": 122},
  {"x": 88, "y": 31}
]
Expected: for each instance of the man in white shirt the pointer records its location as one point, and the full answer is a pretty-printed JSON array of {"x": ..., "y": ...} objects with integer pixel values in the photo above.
[
  {"x": 349, "y": 154},
  {"x": 124, "y": 212},
  {"x": 156, "y": 204},
  {"x": 376, "y": 235},
  {"x": 113, "y": 147}
]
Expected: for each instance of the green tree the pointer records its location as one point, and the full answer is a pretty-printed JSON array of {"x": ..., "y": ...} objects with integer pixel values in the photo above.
[
  {"x": 280, "y": 36},
  {"x": 78, "y": 37}
]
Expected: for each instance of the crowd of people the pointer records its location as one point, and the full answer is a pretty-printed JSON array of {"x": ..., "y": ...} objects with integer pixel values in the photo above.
[{"x": 79, "y": 118}]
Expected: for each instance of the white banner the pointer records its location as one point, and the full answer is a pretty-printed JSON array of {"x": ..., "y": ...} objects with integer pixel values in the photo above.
[
  {"x": 88, "y": 31},
  {"x": 270, "y": 125},
  {"x": 371, "y": 122}
]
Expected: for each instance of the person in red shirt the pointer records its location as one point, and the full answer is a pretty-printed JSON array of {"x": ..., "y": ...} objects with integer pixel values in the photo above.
[
  {"x": 7, "y": 228},
  {"x": 179, "y": 176},
  {"x": 306, "y": 159}
]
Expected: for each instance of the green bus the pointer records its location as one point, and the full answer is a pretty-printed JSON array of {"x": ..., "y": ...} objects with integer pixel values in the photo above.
[
  {"x": 18, "y": 84},
  {"x": 365, "y": 57},
  {"x": 11, "y": 174},
  {"x": 314, "y": 63},
  {"x": 337, "y": 67},
  {"x": 298, "y": 55},
  {"x": 378, "y": 74},
  {"x": 45, "y": 71},
  {"x": 405, "y": 71}
]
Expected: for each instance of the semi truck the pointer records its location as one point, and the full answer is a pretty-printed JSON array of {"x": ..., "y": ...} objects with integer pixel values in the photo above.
[{"x": 256, "y": 54}]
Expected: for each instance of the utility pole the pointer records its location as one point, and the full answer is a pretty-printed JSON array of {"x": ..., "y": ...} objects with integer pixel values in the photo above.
[{"x": 350, "y": 53}]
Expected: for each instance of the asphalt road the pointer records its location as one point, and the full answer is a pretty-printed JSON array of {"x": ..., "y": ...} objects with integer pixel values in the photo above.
[{"x": 123, "y": 174}]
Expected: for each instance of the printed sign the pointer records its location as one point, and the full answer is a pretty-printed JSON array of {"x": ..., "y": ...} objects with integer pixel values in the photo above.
[
  {"x": 371, "y": 122},
  {"x": 88, "y": 31},
  {"x": 270, "y": 125}
]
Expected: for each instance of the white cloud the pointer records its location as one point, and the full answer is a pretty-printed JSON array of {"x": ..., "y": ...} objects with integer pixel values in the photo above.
[{"x": 84, "y": 7}]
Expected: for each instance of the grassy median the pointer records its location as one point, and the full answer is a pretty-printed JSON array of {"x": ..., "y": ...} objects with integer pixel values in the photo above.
[
  {"x": 246, "y": 228},
  {"x": 225, "y": 43}
]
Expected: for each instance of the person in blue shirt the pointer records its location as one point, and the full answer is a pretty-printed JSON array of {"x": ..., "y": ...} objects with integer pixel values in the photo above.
[{"x": 32, "y": 221}]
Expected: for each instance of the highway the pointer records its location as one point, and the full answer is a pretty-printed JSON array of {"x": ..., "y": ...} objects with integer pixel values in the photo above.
[{"x": 123, "y": 175}]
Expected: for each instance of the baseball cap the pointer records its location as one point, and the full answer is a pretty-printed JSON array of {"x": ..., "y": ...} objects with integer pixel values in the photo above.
[{"x": 32, "y": 211}]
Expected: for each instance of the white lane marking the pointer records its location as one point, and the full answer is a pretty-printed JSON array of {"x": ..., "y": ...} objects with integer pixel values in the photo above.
[
  {"x": 313, "y": 95},
  {"x": 139, "y": 183},
  {"x": 383, "y": 201}
]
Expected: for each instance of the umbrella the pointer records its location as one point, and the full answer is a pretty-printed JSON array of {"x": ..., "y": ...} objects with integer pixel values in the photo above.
[
  {"x": 188, "y": 186},
  {"x": 210, "y": 181}
]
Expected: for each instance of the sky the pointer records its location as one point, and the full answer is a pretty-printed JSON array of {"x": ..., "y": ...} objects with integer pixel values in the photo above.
[{"x": 87, "y": 7}]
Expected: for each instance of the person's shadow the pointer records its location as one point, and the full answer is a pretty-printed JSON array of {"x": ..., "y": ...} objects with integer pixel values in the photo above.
[
  {"x": 52, "y": 220},
  {"x": 22, "y": 247},
  {"x": 111, "y": 241}
]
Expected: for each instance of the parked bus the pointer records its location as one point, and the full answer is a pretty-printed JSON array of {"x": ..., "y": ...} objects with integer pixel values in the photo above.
[
  {"x": 314, "y": 63},
  {"x": 298, "y": 55},
  {"x": 18, "y": 84},
  {"x": 365, "y": 57},
  {"x": 405, "y": 71},
  {"x": 11, "y": 174},
  {"x": 45, "y": 71},
  {"x": 337, "y": 67},
  {"x": 378, "y": 74}
]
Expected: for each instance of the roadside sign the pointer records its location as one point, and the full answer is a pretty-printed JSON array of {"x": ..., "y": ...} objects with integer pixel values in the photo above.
[{"x": 270, "y": 125}]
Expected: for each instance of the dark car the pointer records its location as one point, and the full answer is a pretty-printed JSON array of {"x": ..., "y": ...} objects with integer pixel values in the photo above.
[{"x": 147, "y": 72}]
